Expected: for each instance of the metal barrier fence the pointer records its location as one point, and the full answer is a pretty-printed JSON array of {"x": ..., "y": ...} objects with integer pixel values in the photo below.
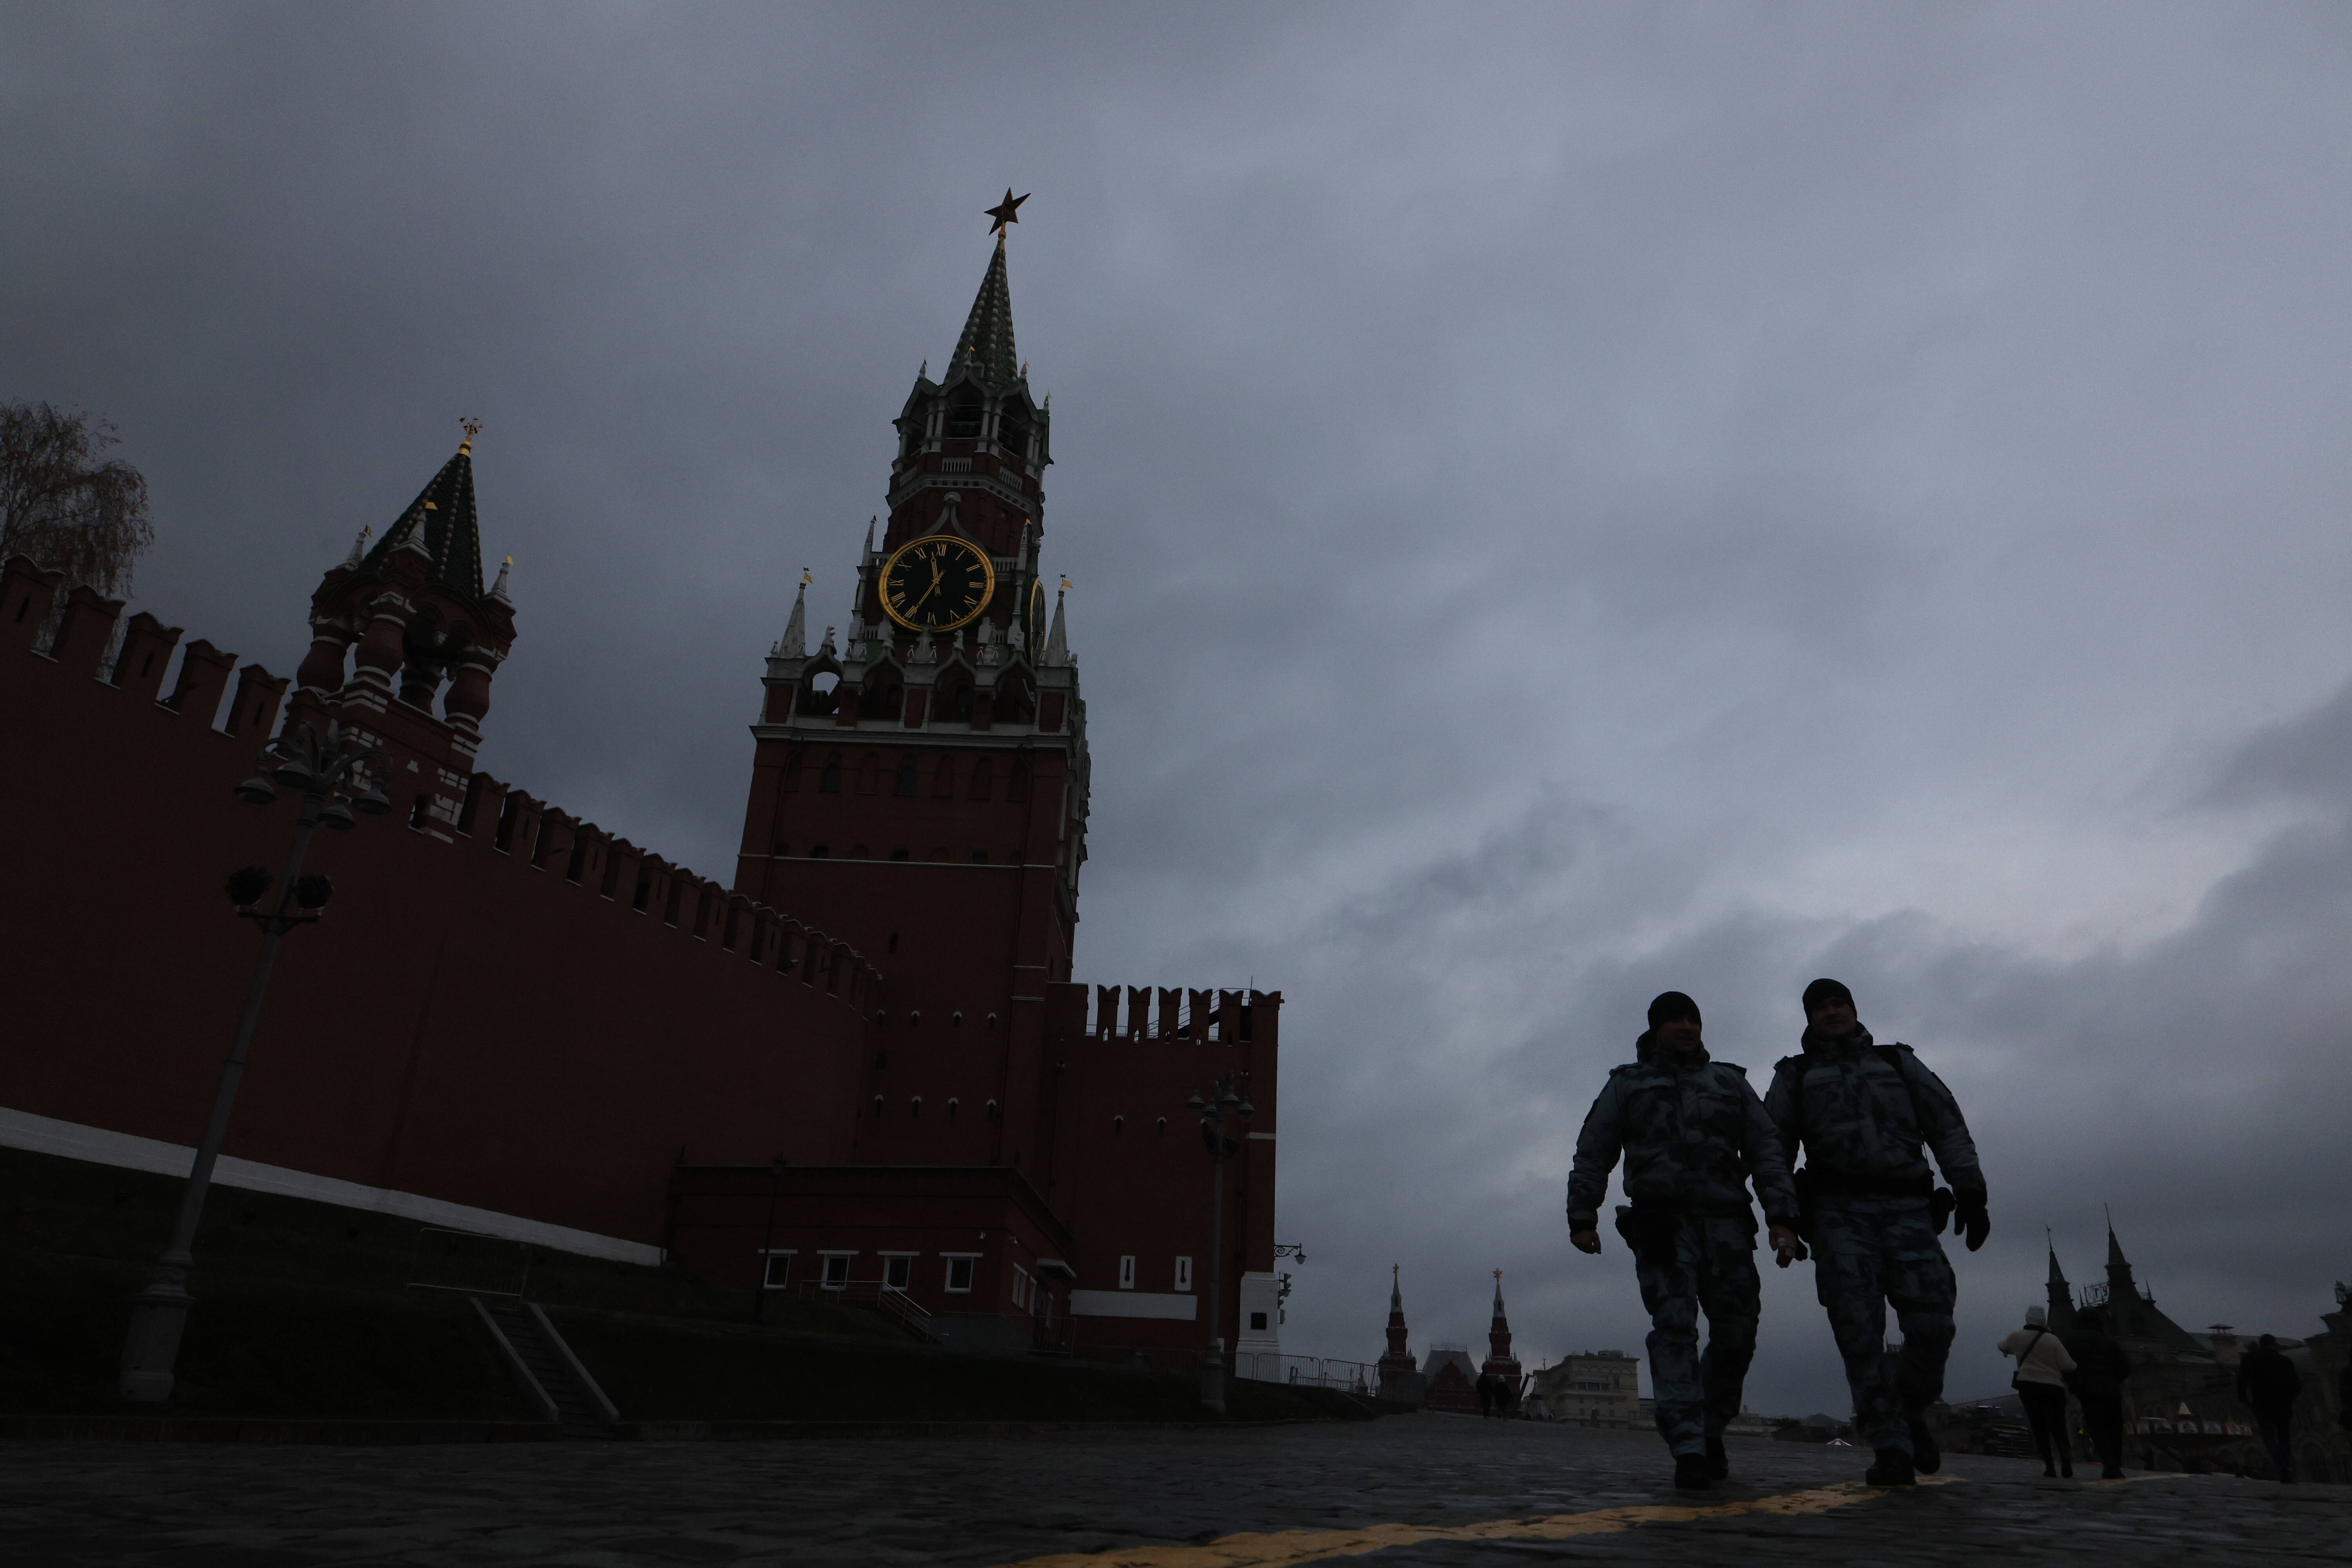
[{"x": 1313, "y": 1371}]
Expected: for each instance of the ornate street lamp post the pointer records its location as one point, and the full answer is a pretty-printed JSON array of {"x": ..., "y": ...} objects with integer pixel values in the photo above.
[
  {"x": 1212, "y": 1104},
  {"x": 322, "y": 770}
]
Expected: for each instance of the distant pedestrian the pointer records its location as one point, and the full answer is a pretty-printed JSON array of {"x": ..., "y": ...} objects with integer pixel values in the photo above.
[
  {"x": 1692, "y": 1132},
  {"x": 2043, "y": 1365},
  {"x": 2269, "y": 1385},
  {"x": 2097, "y": 1380},
  {"x": 1866, "y": 1116}
]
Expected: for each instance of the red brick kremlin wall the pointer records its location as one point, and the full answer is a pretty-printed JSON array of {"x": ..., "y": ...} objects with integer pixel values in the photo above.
[{"x": 527, "y": 1016}]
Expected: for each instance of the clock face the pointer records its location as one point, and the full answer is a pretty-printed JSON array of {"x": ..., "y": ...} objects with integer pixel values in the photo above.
[
  {"x": 938, "y": 584},
  {"x": 1037, "y": 622}
]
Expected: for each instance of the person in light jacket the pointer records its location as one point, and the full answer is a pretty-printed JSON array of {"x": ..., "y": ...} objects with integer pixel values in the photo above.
[{"x": 2043, "y": 1365}]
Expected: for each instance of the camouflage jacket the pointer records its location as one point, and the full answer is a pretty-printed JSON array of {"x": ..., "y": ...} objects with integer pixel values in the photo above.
[
  {"x": 1861, "y": 1118},
  {"x": 1692, "y": 1131}
]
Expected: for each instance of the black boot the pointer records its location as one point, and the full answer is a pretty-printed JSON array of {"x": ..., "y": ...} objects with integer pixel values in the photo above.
[
  {"x": 1690, "y": 1473},
  {"x": 1893, "y": 1469},
  {"x": 1926, "y": 1456},
  {"x": 1719, "y": 1464}
]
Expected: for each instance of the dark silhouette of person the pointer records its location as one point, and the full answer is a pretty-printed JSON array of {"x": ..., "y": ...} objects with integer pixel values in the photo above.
[
  {"x": 2042, "y": 1365},
  {"x": 2269, "y": 1385},
  {"x": 2097, "y": 1380}
]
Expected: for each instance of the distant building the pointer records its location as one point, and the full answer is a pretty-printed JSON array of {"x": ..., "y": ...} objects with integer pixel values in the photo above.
[
  {"x": 1594, "y": 1388},
  {"x": 1451, "y": 1378},
  {"x": 2180, "y": 1404}
]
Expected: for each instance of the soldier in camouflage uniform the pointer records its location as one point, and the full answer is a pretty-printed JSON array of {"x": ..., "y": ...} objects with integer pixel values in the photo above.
[
  {"x": 1861, "y": 1111},
  {"x": 1693, "y": 1132}
]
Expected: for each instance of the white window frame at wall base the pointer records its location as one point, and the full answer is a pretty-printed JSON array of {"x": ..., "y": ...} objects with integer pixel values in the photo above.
[
  {"x": 907, "y": 1258},
  {"x": 824, "y": 1278},
  {"x": 768, "y": 1256},
  {"x": 1183, "y": 1273},
  {"x": 1127, "y": 1271},
  {"x": 1021, "y": 1282},
  {"x": 971, "y": 1277}
]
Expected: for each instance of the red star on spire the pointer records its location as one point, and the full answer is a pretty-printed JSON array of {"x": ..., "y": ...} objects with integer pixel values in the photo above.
[{"x": 1006, "y": 211}]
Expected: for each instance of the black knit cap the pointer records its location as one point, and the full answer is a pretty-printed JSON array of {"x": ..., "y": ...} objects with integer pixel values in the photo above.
[
  {"x": 1672, "y": 1004},
  {"x": 1824, "y": 992}
]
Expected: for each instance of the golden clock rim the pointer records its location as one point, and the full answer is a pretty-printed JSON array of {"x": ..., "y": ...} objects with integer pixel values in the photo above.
[{"x": 988, "y": 577}]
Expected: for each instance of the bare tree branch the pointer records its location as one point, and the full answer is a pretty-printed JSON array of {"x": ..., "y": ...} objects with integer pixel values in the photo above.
[{"x": 63, "y": 506}]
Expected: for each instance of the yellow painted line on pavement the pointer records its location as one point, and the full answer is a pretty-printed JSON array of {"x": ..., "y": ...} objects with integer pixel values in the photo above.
[{"x": 1277, "y": 1549}]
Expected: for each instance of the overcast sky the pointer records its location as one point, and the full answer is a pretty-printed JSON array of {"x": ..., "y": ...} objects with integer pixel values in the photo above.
[{"x": 1564, "y": 502}]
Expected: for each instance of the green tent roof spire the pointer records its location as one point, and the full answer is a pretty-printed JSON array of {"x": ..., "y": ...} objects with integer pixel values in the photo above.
[{"x": 986, "y": 347}]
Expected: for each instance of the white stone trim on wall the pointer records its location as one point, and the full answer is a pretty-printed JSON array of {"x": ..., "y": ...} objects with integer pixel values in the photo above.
[
  {"x": 1134, "y": 1304},
  {"x": 101, "y": 1146}
]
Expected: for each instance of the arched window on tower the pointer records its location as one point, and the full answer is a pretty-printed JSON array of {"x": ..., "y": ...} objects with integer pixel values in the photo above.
[
  {"x": 943, "y": 775},
  {"x": 1016, "y": 700},
  {"x": 1013, "y": 431},
  {"x": 907, "y": 780},
  {"x": 963, "y": 414},
  {"x": 821, "y": 693},
  {"x": 884, "y": 698},
  {"x": 980, "y": 780},
  {"x": 828, "y": 782},
  {"x": 953, "y": 704}
]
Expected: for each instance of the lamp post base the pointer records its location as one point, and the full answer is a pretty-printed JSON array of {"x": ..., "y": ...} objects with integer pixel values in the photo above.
[
  {"x": 1212, "y": 1376},
  {"x": 159, "y": 1315}
]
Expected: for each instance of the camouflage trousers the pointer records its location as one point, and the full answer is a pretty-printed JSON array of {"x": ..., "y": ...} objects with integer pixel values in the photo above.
[
  {"x": 1713, "y": 1270},
  {"x": 1869, "y": 1253}
]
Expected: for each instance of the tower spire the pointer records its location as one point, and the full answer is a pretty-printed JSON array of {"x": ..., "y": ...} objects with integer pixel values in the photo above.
[
  {"x": 1399, "y": 1376},
  {"x": 1057, "y": 640},
  {"x": 442, "y": 521},
  {"x": 1499, "y": 1359},
  {"x": 985, "y": 349},
  {"x": 795, "y": 642}
]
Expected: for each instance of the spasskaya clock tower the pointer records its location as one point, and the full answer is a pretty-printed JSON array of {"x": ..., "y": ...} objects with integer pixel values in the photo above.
[{"x": 920, "y": 778}]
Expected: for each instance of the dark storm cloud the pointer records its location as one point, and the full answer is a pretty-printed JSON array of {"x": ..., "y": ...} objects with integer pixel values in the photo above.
[{"x": 1564, "y": 502}]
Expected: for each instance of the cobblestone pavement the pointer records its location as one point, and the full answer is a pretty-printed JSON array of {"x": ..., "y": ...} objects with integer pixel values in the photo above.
[{"x": 1145, "y": 1499}]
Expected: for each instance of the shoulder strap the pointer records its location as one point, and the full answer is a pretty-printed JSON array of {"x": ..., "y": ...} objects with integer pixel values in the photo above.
[{"x": 1893, "y": 1056}]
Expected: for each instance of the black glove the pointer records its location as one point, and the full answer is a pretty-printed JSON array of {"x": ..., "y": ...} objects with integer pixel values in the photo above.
[{"x": 1974, "y": 1223}]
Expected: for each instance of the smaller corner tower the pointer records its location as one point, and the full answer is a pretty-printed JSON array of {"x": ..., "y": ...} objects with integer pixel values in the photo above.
[
  {"x": 1500, "y": 1361},
  {"x": 1400, "y": 1375},
  {"x": 405, "y": 622}
]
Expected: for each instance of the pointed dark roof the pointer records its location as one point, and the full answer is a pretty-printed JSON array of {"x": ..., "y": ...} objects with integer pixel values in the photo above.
[
  {"x": 2115, "y": 1258},
  {"x": 986, "y": 347},
  {"x": 453, "y": 536}
]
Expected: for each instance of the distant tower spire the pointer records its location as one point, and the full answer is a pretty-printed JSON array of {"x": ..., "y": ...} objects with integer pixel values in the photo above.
[
  {"x": 1499, "y": 1359},
  {"x": 1397, "y": 1364},
  {"x": 2060, "y": 1294}
]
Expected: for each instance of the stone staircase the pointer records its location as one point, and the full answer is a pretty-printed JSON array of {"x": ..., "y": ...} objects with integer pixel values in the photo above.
[{"x": 543, "y": 1366}]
